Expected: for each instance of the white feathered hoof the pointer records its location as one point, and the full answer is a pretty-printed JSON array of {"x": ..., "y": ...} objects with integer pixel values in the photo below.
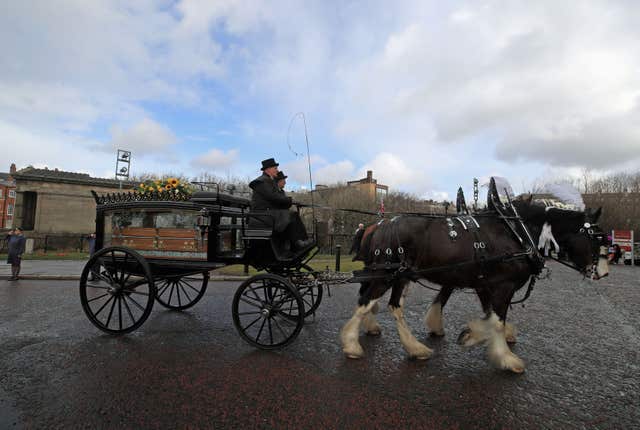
[
  {"x": 420, "y": 352},
  {"x": 353, "y": 351},
  {"x": 509, "y": 361},
  {"x": 468, "y": 338}
]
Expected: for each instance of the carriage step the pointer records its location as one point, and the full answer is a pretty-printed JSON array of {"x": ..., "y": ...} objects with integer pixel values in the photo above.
[{"x": 260, "y": 234}]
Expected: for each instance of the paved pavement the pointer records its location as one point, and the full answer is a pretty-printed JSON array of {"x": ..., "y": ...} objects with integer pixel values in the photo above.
[
  {"x": 579, "y": 339},
  {"x": 64, "y": 270},
  {"x": 46, "y": 269}
]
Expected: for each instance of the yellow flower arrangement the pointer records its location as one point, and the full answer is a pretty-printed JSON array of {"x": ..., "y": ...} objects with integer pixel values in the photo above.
[{"x": 169, "y": 185}]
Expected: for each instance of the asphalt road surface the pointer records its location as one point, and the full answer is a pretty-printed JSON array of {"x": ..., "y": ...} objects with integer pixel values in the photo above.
[{"x": 580, "y": 341}]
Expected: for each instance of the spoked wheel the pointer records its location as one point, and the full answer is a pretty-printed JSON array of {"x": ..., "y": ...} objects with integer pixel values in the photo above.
[
  {"x": 182, "y": 292},
  {"x": 267, "y": 311},
  {"x": 120, "y": 296},
  {"x": 310, "y": 291}
]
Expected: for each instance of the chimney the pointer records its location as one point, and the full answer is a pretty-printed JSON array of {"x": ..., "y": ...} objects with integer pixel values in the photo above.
[
  {"x": 369, "y": 175},
  {"x": 12, "y": 169}
]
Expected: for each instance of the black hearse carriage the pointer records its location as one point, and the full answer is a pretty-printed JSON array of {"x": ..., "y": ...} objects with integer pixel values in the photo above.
[{"x": 162, "y": 246}]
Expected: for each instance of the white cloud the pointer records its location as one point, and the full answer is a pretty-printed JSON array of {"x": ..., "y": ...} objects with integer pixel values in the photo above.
[
  {"x": 145, "y": 138},
  {"x": 215, "y": 159},
  {"x": 392, "y": 170},
  {"x": 538, "y": 84},
  {"x": 322, "y": 171}
]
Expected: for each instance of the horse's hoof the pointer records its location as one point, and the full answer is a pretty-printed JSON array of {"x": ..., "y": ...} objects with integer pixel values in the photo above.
[
  {"x": 354, "y": 352},
  {"x": 436, "y": 333},
  {"x": 464, "y": 337},
  {"x": 373, "y": 333},
  {"x": 510, "y": 333},
  {"x": 420, "y": 357},
  {"x": 421, "y": 353},
  {"x": 511, "y": 362}
]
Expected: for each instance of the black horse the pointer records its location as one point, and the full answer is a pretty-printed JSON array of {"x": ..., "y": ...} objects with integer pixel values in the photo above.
[
  {"x": 575, "y": 236},
  {"x": 493, "y": 257}
]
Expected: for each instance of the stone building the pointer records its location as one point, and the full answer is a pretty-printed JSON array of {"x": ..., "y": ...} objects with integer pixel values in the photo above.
[
  {"x": 370, "y": 187},
  {"x": 7, "y": 198},
  {"x": 55, "y": 207}
]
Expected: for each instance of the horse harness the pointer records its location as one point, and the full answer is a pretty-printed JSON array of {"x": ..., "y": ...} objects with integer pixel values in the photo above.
[
  {"x": 396, "y": 268},
  {"x": 595, "y": 236}
]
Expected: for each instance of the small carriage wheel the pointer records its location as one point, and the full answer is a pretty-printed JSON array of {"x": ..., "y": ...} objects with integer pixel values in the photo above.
[
  {"x": 182, "y": 291},
  {"x": 121, "y": 295},
  {"x": 311, "y": 294},
  {"x": 268, "y": 312}
]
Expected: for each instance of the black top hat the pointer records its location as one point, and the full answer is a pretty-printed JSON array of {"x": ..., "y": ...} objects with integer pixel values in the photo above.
[
  {"x": 269, "y": 162},
  {"x": 280, "y": 176}
]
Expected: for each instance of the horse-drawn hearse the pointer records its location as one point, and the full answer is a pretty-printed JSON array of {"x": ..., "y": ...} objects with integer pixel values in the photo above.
[{"x": 162, "y": 246}]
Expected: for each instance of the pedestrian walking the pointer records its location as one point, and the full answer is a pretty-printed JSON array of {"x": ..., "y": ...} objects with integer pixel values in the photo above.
[
  {"x": 15, "y": 246},
  {"x": 357, "y": 239}
]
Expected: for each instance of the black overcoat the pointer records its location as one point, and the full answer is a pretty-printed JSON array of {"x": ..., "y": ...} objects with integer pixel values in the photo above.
[
  {"x": 267, "y": 197},
  {"x": 15, "y": 249}
]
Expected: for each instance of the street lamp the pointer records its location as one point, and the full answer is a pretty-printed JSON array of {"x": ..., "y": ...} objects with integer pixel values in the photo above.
[{"x": 123, "y": 163}]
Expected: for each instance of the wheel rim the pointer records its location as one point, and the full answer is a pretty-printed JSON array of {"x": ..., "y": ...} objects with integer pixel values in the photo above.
[
  {"x": 268, "y": 312},
  {"x": 182, "y": 292},
  {"x": 120, "y": 297}
]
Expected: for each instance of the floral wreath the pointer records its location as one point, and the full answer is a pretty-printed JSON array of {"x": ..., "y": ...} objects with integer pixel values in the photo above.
[{"x": 172, "y": 185}]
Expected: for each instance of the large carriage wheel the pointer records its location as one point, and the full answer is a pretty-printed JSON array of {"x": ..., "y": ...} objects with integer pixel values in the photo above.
[
  {"x": 310, "y": 292},
  {"x": 181, "y": 292},
  {"x": 120, "y": 296},
  {"x": 267, "y": 311}
]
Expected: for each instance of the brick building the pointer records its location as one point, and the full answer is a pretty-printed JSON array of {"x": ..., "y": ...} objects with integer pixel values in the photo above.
[{"x": 7, "y": 198}]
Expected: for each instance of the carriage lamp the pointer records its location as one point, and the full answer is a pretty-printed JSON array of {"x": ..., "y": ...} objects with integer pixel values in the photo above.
[{"x": 203, "y": 221}]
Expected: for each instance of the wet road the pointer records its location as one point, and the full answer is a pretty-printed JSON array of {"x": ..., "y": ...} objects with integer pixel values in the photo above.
[{"x": 580, "y": 341}]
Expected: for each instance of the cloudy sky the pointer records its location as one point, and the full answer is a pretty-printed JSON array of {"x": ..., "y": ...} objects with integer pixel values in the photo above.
[{"x": 428, "y": 94}]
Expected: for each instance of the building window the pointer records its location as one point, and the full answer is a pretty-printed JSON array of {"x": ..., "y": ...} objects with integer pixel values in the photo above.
[
  {"x": 12, "y": 194},
  {"x": 381, "y": 193},
  {"x": 10, "y": 210}
]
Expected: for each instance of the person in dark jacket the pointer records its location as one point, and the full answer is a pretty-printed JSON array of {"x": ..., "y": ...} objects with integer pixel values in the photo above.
[
  {"x": 281, "y": 180},
  {"x": 268, "y": 197},
  {"x": 357, "y": 239},
  {"x": 15, "y": 246}
]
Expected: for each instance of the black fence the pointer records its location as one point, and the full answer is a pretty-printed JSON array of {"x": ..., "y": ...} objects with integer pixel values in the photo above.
[
  {"x": 53, "y": 242},
  {"x": 344, "y": 240}
]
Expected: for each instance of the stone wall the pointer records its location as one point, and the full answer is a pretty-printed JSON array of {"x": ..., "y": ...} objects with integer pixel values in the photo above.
[{"x": 61, "y": 208}]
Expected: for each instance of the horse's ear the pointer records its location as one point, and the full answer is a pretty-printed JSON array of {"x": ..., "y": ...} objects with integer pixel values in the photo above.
[{"x": 596, "y": 214}]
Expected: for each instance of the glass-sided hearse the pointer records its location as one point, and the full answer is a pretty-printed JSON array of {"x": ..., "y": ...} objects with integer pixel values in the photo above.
[{"x": 162, "y": 246}]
